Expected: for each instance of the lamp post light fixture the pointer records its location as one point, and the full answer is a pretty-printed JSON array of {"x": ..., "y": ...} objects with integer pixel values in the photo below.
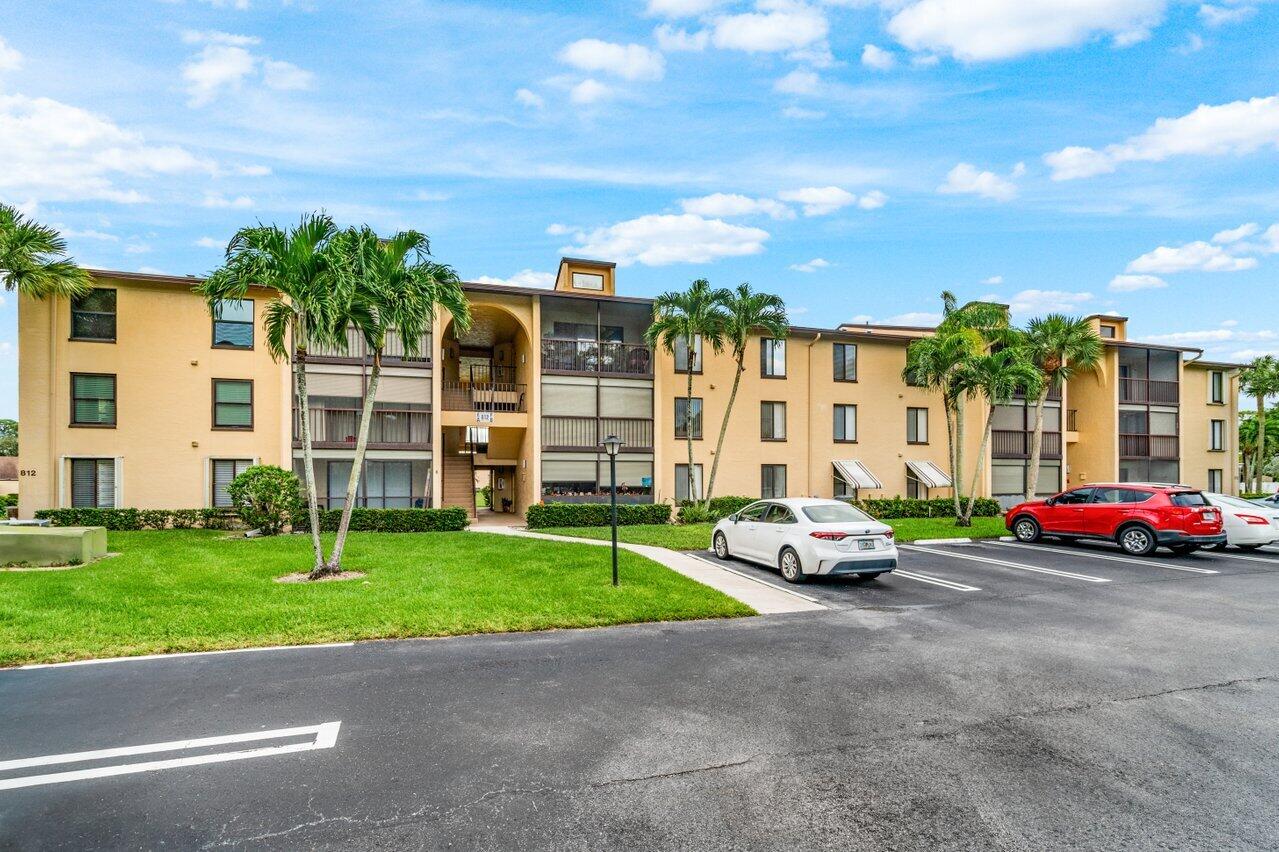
[{"x": 613, "y": 445}]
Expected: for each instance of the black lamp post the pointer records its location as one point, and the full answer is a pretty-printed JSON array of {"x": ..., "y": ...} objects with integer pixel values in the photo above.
[{"x": 613, "y": 444}]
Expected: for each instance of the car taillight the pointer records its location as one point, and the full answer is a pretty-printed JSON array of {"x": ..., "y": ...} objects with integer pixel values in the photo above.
[
  {"x": 828, "y": 536},
  {"x": 1254, "y": 519},
  {"x": 889, "y": 534}
]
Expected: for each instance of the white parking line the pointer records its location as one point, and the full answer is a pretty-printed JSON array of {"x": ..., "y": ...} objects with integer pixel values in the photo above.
[
  {"x": 745, "y": 576},
  {"x": 325, "y": 736},
  {"x": 1107, "y": 556},
  {"x": 936, "y": 581},
  {"x": 1070, "y": 575},
  {"x": 1274, "y": 562}
]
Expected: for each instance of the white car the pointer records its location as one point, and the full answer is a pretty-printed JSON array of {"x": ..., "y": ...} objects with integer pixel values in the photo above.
[
  {"x": 804, "y": 536},
  {"x": 1247, "y": 524}
]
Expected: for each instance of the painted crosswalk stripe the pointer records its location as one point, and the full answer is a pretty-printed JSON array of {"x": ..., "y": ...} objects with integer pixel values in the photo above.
[
  {"x": 936, "y": 581},
  {"x": 1070, "y": 575},
  {"x": 1107, "y": 556}
]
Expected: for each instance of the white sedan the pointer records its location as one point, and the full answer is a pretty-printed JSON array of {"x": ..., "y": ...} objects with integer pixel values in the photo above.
[
  {"x": 805, "y": 536},
  {"x": 1248, "y": 524}
]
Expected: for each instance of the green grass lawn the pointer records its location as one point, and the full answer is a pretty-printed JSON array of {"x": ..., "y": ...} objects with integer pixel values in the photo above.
[
  {"x": 195, "y": 590},
  {"x": 698, "y": 536}
]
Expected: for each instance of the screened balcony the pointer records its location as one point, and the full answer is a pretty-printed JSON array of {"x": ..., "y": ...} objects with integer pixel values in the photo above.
[
  {"x": 338, "y": 427},
  {"x": 356, "y": 352},
  {"x": 586, "y": 433}
]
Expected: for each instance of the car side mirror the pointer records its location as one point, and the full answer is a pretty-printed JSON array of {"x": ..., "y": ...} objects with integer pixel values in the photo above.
[
  {"x": 1051, "y": 501},
  {"x": 733, "y": 517}
]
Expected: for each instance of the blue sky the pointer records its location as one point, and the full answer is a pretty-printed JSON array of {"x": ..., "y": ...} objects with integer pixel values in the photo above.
[{"x": 856, "y": 157}]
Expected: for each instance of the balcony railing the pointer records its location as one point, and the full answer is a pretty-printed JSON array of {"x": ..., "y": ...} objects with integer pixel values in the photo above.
[
  {"x": 1054, "y": 393},
  {"x": 1148, "y": 447},
  {"x": 585, "y": 433},
  {"x": 589, "y": 356},
  {"x": 1148, "y": 390},
  {"x": 338, "y": 428},
  {"x": 1015, "y": 444},
  {"x": 1072, "y": 420},
  {"x": 356, "y": 351},
  {"x": 484, "y": 396}
]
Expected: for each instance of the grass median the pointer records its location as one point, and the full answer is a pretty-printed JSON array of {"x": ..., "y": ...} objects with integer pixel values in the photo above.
[
  {"x": 698, "y": 536},
  {"x": 196, "y": 590}
]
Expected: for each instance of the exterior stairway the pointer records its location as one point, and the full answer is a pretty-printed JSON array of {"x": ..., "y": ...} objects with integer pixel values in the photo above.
[{"x": 458, "y": 484}]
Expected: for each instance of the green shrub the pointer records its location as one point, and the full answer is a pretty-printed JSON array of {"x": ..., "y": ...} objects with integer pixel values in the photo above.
[
  {"x": 141, "y": 519},
  {"x": 541, "y": 515},
  {"x": 1251, "y": 495},
  {"x": 185, "y": 519},
  {"x": 265, "y": 496},
  {"x": 938, "y": 507},
  {"x": 155, "y": 519},
  {"x": 112, "y": 519},
  {"x": 695, "y": 513},
  {"x": 7, "y": 500},
  {"x": 450, "y": 519}
]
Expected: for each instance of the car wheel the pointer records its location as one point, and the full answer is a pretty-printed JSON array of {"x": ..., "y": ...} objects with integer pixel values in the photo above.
[
  {"x": 1027, "y": 530},
  {"x": 1137, "y": 541},
  {"x": 872, "y": 576},
  {"x": 788, "y": 562},
  {"x": 1247, "y": 547},
  {"x": 721, "y": 545},
  {"x": 1184, "y": 549}
]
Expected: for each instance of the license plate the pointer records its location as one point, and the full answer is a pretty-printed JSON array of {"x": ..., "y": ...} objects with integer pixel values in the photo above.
[{"x": 866, "y": 544}]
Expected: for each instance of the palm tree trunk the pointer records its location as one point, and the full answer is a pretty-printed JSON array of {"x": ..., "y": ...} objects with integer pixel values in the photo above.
[
  {"x": 1259, "y": 469},
  {"x": 981, "y": 457},
  {"x": 357, "y": 468},
  {"x": 723, "y": 427},
  {"x": 1036, "y": 446},
  {"x": 308, "y": 458},
  {"x": 688, "y": 421},
  {"x": 960, "y": 520},
  {"x": 950, "y": 456}
]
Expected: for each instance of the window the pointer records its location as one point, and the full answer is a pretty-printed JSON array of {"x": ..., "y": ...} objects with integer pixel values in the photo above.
[
  {"x": 233, "y": 324},
  {"x": 232, "y": 404},
  {"x": 832, "y": 514},
  {"x": 779, "y": 514},
  {"x": 846, "y": 423},
  {"x": 225, "y": 470},
  {"x": 845, "y": 362},
  {"x": 1121, "y": 495},
  {"x": 772, "y": 358},
  {"x": 93, "y": 316},
  {"x": 843, "y": 489},
  {"x": 681, "y": 355},
  {"x": 681, "y": 483},
  {"x": 688, "y": 418},
  {"x": 388, "y": 484},
  {"x": 753, "y": 512},
  {"x": 1215, "y": 480},
  {"x": 1217, "y": 387},
  {"x": 92, "y": 399},
  {"x": 1188, "y": 499},
  {"x": 1108, "y": 332},
  {"x": 1217, "y": 435},
  {"x": 915, "y": 490},
  {"x": 1076, "y": 497},
  {"x": 917, "y": 425},
  {"x": 772, "y": 421},
  {"x": 772, "y": 480},
  {"x": 93, "y": 483},
  {"x": 588, "y": 281}
]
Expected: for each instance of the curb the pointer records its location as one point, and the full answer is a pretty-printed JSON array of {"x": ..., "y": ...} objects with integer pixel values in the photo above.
[{"x": 957, "y": 540}]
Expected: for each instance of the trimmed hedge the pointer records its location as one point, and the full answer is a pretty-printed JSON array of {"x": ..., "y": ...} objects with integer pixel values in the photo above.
[
  {"x": 141, "y": 519},
  {"x": 7, "y": 500},
  {"x": 938, "y": 507},
  {"x": 450, "y": 519},
  {"x": 542, "y": 515},
  {"x": 719, "y": 507}
]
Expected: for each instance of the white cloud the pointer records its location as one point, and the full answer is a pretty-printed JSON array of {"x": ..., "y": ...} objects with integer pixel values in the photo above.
[
  {"x": 1131, "y": 283},
  {"x": 778, "y": 26},
  {"x": 1229, "y": 323},
  {"x": 872, "y": 200},
  {"x": 210, "y": 243},
  {"x": 919, "y": 318},
  {"x": 1218, "y": 16},
  {"x": 285, "y": 76},
  {"x": 662, "y": 239},
  {"x": 218, "y": 37},
  {"x": 53, "y": 151},
  {"x": 925, "y": 60},
  {"x": 981, "y": 30},
  {"x": 1234, "y": 235},
  {"x": 628, "y": 61},
  {"x": 1210, "y": 336},
  {"x": 589, "y": 92},
  {"x": 430, "y": 195},
  {"x": 722, "y": 205},
  {"x": 151, "y": 270},
  {"x": 675, "y": 40},
  {"x": 529, "y": 98},
  {"x": 681, "y": 8},
  {"x": 219, "y": 201},
  {"x": 965, "y": 179},
  {"x": 1047, "y": 301},
  {"x": 90, "y": 234},
  {"x": 801, "y": 81},
  {"x": 253, "y": 171},
  {"x": 993, "y": 280},
  {"x": 555, "y": 229},
  {"x": 137, "y": 248},
  {"x": 10, "y": 58},
  {"x": 1198, "y": 255},
  {"x": 819, "y": 200},
  {"x": 802, "y": 114},
  {"x": 523, "y": 278},
  {"x": 1238, "y": 128},
  {"x": 225, "y": 63},
  {"x": 811, "y": 266},
  {"x": 877, "y": 58}
]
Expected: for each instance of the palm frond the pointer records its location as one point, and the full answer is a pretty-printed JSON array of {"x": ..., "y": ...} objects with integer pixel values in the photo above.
[{"x": 33, "y": 259}]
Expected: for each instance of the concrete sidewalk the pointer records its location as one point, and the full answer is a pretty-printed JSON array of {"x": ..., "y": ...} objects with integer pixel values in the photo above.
[{"x": 764, "y": 598}]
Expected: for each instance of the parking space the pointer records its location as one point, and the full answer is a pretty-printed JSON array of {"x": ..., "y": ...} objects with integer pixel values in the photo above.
[{"x": 940, "y": 574}]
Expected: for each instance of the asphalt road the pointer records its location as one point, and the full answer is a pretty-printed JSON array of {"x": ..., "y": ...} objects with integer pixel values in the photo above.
[{"x": 1137, "y": 709}]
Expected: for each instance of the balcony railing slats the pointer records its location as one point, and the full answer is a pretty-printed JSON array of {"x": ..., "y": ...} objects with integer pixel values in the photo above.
[
  {"x": 585, "y": 433},
  {"x": 590, "y": 356},
  {"x": 484, "y": 396},
  {"x": 1149, "y": 391},
  {"x": 1015, "y": 444},
  {"x": 339, "y": 427},
  {"x": 356, "y": 350},
  {"x": 1148, "y": 447}
]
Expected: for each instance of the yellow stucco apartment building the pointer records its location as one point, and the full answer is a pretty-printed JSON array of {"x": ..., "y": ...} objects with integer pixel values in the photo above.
[{"x": 135, "y": 396}]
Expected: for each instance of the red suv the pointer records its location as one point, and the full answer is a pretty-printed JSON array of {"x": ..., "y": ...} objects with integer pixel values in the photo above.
[{"x": 1138, "y": 517}]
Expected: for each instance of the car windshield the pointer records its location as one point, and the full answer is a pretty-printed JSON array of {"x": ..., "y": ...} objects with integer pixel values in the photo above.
[
  {"x": 1188, "y": 499},
  {"x": 835, "y": 513}
]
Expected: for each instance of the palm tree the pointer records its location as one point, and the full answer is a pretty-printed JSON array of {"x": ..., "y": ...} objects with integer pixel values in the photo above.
[
  {"x": 1260, "y": 379},
  {"x": 1060, "y": 346},
  {"x": 312, "y": 293},
  {"x": 33, "y": 259},
  {"x": 698, "y": 312},
  {"x": 397, "y": 289},
  {"x": 998, "y": 376},
  {"x": 747, "y": 311}
]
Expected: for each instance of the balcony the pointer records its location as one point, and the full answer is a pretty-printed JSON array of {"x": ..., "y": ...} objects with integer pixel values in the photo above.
[
  {"x": 1148, "y": 447},
  {"x": 390, "y": 429},
  {"x": 357, "y": 352},
  {"x": 484, "y": 396},
  {"x": 1054, "y": 394},
  {"x": 1015, "y": 444},
  {"x": 585, "y": 433},
  {"x": 1149, "y": 391},
  {"x": 596, "y": 358}
]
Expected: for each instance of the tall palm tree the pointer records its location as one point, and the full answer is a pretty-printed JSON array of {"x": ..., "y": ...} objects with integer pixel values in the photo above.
[
  {"x": 747, "y": 311},
  {"x": 1260, "y": 379},
  {"x": 312, "y": 291},
  {"x": 697, "y": 312},
  {"x": 33, "y": 259},
  {"x": 997, "y": 376},
  {"x": 397, "y": 289},
  {"x": 1060, "y": 346}
]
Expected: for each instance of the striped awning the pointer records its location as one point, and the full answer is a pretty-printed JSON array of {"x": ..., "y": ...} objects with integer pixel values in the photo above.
[
  {"x": 856, "y": 474},
  {"x": 929, "y": 474}
]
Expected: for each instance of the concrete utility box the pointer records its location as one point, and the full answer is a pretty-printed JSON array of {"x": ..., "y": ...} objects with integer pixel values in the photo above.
[{"x": 52, "y": 545}]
